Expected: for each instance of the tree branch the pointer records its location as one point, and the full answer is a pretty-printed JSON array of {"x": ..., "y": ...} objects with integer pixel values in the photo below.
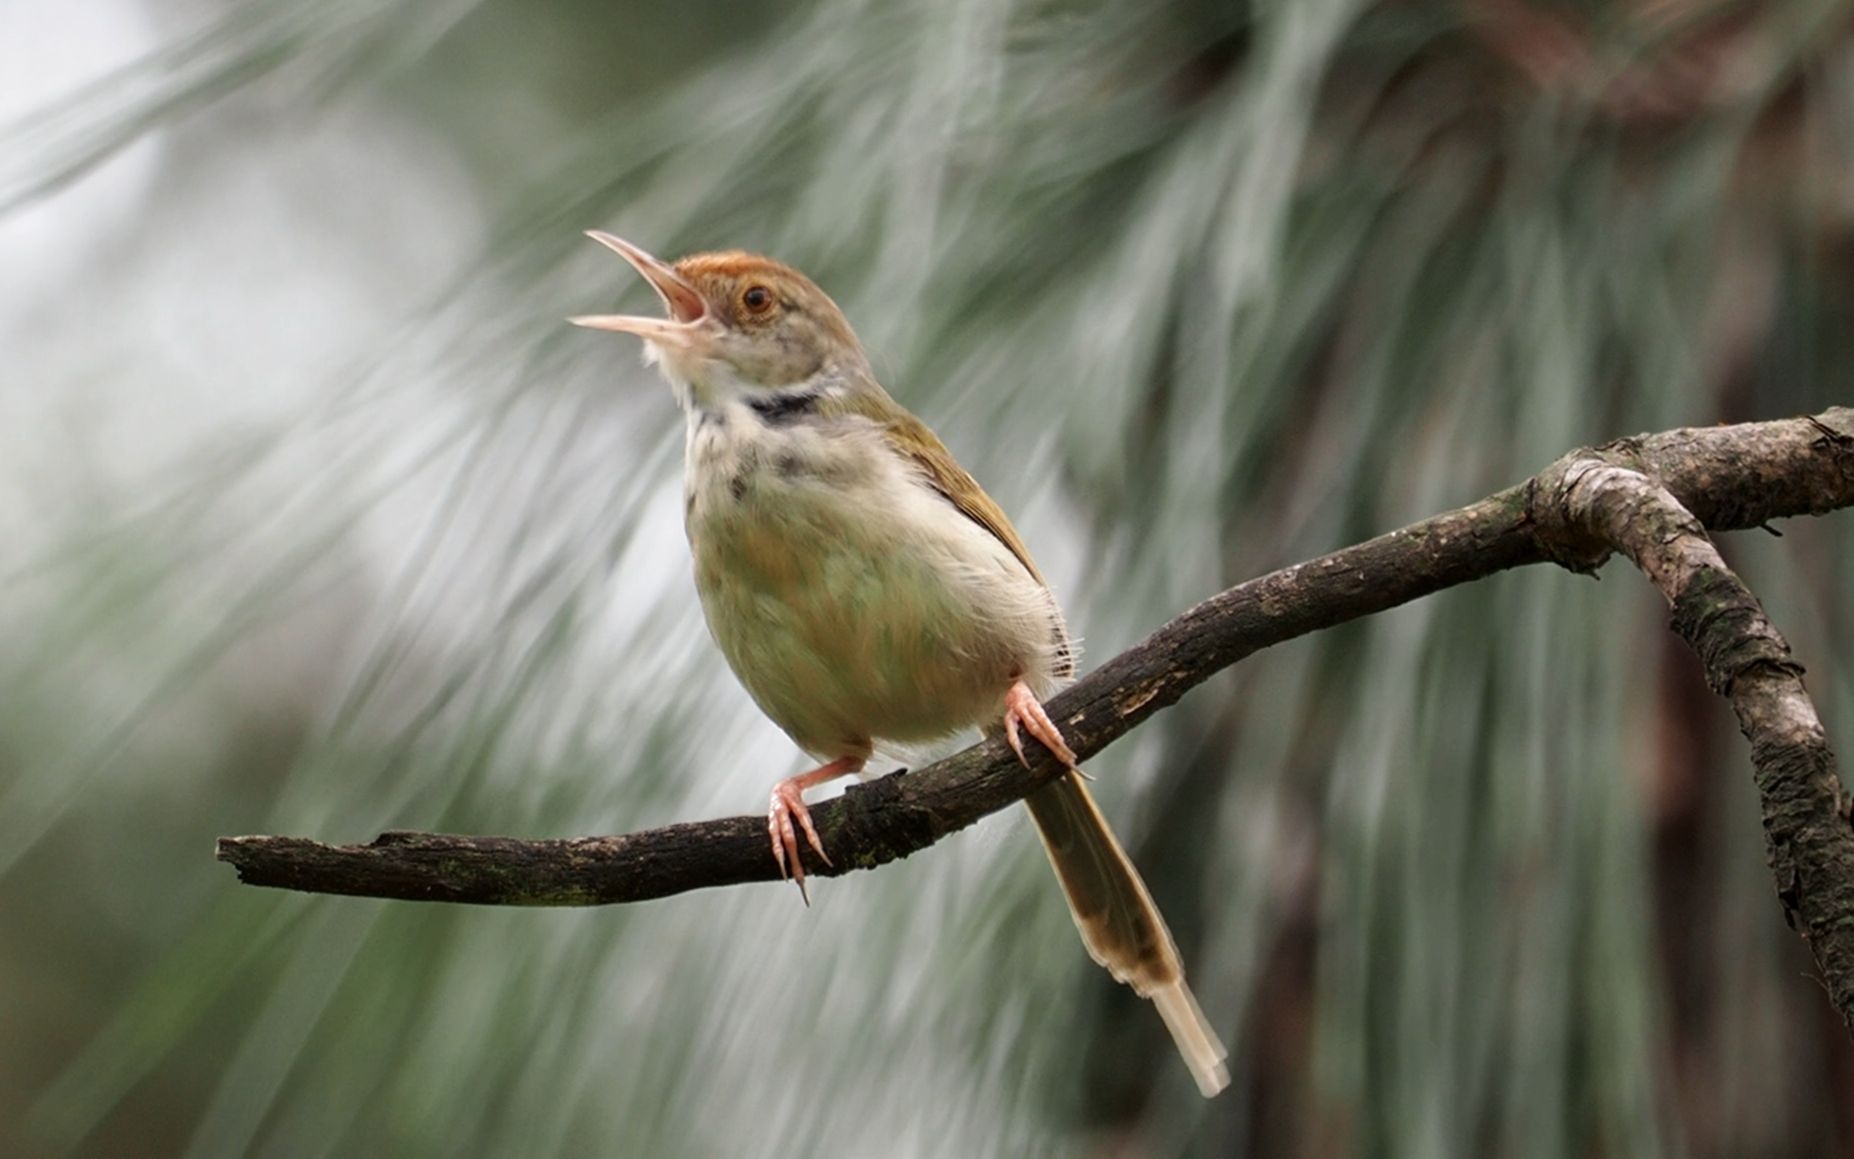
[
  {"x": 1631, "y": 495},
  {"x": 1809, "y": 841}
]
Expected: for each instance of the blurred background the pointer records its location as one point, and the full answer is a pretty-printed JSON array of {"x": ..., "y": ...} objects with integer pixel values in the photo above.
[{"x": 317, "y": 519}]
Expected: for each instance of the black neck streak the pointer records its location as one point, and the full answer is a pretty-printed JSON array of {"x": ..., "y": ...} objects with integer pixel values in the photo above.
[{"x": 786, "y": 407}]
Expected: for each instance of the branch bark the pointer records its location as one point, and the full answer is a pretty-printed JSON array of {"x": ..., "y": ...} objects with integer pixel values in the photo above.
[
  {"x": 1809, "y": 839},
  {"x": 1651, "y": 497}
]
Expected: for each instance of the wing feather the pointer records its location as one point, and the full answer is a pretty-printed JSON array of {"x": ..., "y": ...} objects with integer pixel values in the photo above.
[{"x": 917, "y": 442}]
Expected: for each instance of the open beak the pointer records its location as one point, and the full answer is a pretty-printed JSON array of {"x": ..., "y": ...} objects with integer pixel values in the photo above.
[{"x": 681, "y": 301}]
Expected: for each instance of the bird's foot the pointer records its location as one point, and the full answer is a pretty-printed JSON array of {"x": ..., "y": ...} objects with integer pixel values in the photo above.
[
  {"x": 788, "y": 816},
  {"x": 1023, "y": 709}
]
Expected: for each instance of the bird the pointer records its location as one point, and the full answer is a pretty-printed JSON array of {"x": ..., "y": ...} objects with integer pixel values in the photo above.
[{"x": 866, "y": 590}]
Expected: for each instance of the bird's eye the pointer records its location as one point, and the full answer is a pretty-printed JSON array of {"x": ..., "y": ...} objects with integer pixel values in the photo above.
[{"x": 757, "y": 299}]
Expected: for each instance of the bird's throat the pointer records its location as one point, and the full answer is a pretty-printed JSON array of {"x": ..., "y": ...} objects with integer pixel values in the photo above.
[{"x": 784, "y": 407}]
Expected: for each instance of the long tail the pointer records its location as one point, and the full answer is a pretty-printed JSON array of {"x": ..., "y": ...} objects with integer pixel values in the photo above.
[{"x": 1118, "y": 922}]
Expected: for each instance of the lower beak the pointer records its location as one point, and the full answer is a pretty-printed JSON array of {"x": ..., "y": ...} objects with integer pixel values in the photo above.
[{"x": 662, "y": 331}]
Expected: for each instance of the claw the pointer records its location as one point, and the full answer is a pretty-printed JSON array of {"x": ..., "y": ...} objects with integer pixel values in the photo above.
[
  {"x": 1021, "y": 707},
  {"x": 788, "y": 802},
  {"x": 1012, "y": 738}
]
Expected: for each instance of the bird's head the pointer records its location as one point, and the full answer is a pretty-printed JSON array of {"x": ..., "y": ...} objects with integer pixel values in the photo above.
[{"x": 736, "y": 323}]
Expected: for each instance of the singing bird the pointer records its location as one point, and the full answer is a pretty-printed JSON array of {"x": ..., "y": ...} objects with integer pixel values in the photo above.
[{"x": 865, "y": 589}]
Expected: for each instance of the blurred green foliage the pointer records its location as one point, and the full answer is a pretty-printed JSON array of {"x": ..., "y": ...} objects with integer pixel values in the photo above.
[{"x": 324, "y": 523}]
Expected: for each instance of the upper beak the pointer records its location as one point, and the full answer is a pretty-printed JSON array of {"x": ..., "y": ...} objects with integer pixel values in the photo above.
[{"x": 681, "y": 300}]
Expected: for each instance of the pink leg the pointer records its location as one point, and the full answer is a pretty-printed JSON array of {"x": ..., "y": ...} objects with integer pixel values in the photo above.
[
  {"x": 1021, "y": 707},
  {"x": 788, "y": 802}
]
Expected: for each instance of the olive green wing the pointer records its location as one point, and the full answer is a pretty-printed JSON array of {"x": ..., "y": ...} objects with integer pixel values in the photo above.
[{"x": 917, "y": 443}]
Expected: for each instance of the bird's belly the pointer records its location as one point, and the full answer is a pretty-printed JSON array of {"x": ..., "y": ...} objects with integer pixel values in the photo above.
[{"x": 863, "y": 607}]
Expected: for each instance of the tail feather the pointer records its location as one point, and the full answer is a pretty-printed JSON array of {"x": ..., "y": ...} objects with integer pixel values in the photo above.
[{"x": 1119, "y": 923}]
